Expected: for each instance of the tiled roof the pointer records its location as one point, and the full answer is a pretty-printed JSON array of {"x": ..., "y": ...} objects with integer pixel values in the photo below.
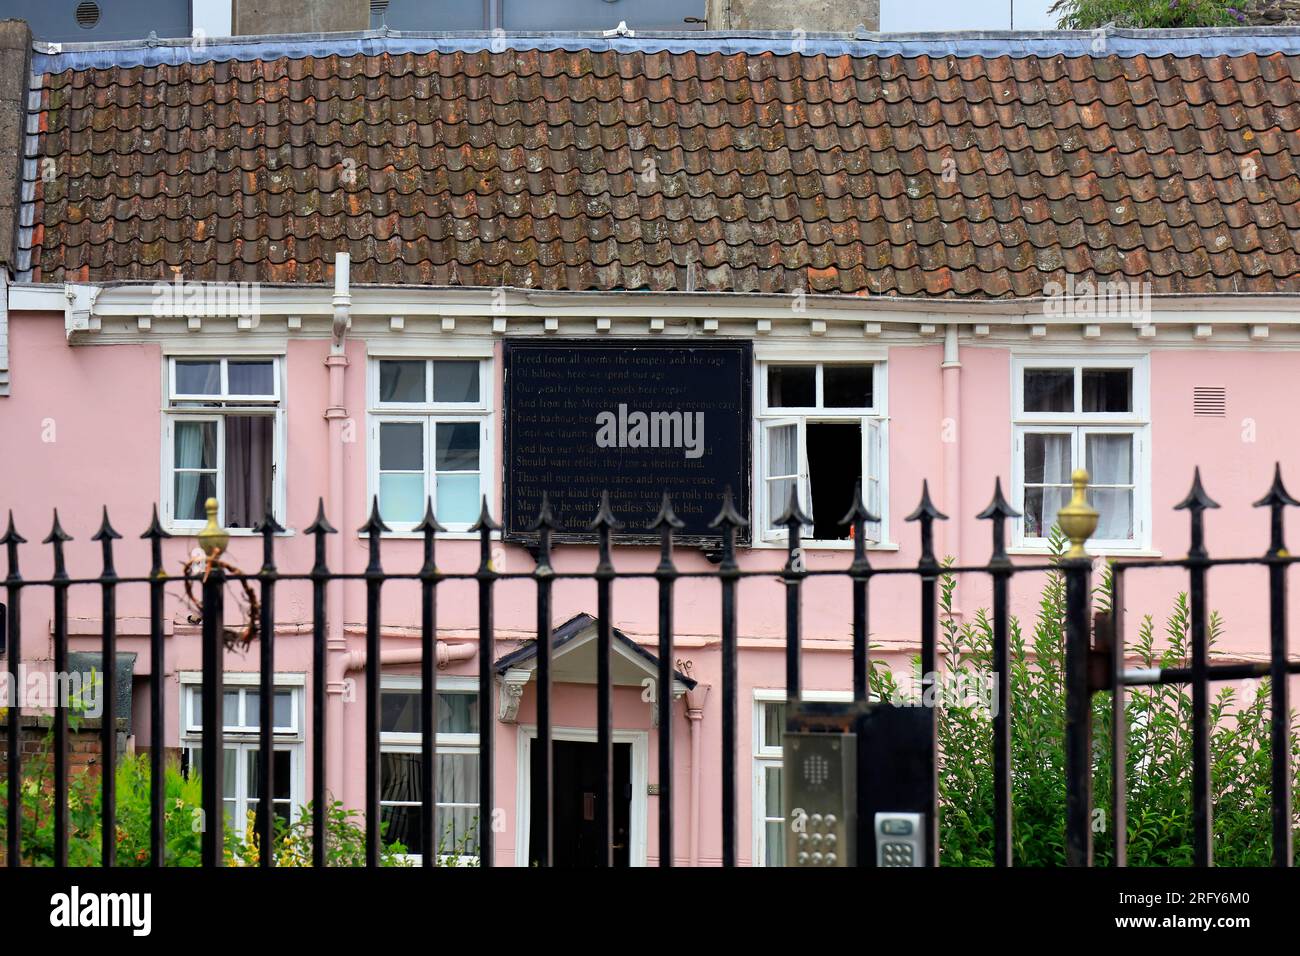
[{"x": 926, "y": 175}]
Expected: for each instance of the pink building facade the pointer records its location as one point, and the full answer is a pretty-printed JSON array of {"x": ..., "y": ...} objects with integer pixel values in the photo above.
[{"x": 340, "y": 386}]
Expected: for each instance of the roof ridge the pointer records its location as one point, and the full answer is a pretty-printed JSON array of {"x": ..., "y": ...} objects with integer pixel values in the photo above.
[{"x": 155, "y": 51}]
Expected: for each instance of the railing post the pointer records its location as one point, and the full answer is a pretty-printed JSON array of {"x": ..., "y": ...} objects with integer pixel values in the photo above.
[
  {"x": 268, "y": 529},
  {"x": 428, "y": 689},
  {"x": 1196, "y": 503},
  {"x": 14, "y": 589},
  {"x": 1000, "y": 570},
  {"x": 928, "y": 566},
  {"x": 542, "y": 813},
  {"x": 729, "y": 520},
  {"x": 108, "y": 692},
  {"x": 604, "y": 524},
  {"x": 1118, "y": 720},
  {"x": 486, "y": 576},
  {"x": 1078, "y": 521},
  {"x": 793, "y": 519},
  {"x": 374, "y": 530},
  {"x": 860, "y": 572},
  {"x": 1277, "y": 500},
  {"x": 666, "y": 522},
  {"x": 57, "y": 537},
  {"x": 213, "y": 540},
  {"x": 318, "y": 529},
  {"x": 157, "y": 696}
]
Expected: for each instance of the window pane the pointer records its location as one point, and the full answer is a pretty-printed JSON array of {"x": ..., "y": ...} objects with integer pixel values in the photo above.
[
  {"x": 457, "y": 713},
  {"x": 401, "y": 446},
  {"x": 196, "y": 444},
  {"x": 1049, "y": 389},
  {"x": 455, "y": 381},
  {"x": 778, "y": 493},
  {"x": 775, "y": 844},
  {"x": 399, "y": 711},
  {"x": 198, "y": 378},
  {"x": 457, "y": 831},
  {"x": 792, "y": 386},
  {"x": 1047, "y": 459},
  {"x": 229, "y": 709},
  {"x": 399, "y": 777},
  {"x": 1110, "y": 459},
  {"x": 400, "y": 780},
  {"x": 782, "y": 451},
  {"x": 846, "y": 386},
  {"x": 401, "y": 497},
  {"x": 1041, "y": 507},
  {"x": 192, "y": 490},
  {"x": 251, "y": 378},
  {"x": 772, "y": 801},
  {"x": 1107, "y": 390},
  {"x": 282, "y": 716},
  {"x": 773, "y": 724},
  {"x": 281, "y": 764},
  {"x": 402, "y": 381},
  {"x": 1115, "y": 507},
  {"x": 457, "y": 499},
  {"x": 456, "y": 446},
  {"x": 250, "y": 457}
]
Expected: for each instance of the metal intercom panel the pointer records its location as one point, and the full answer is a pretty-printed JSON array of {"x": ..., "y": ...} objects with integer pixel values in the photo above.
[
  {"x": 880, "y": 793},
  {"x": 820, "y": 779}
]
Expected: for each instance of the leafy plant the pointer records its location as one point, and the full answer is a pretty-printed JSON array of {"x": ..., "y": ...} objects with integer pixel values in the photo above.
[
  {"x": 1158, "y": 765},
  {"x": 1148, "y": 14},
  {"x": 345, "y": 839}
]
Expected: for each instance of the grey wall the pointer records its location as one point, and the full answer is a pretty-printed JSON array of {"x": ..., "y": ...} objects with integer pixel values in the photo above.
[
  {"x": 253, "y": 17},
  {"x": 811, "y": 16},
  {"x": 56, "y": 20}
]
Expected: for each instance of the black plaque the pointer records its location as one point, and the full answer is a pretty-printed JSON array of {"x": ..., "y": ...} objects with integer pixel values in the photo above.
[{"x": 634, "y": 418}]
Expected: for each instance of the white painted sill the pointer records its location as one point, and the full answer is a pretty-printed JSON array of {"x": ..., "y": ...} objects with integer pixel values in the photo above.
[{"x": 1041, "y": 552}]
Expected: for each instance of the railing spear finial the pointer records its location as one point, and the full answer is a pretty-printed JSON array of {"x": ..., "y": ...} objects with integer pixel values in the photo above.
[{"x": 213, "y": 539}]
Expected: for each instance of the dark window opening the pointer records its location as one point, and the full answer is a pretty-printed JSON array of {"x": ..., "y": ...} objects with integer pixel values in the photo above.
[{"x": 834, "y": 468}]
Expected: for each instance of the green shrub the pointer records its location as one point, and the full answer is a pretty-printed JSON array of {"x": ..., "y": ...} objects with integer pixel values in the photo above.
[
  {"x": 1158, "y": 765},
  {"x": 345, "y": 839},
  {"x": 1148, "y": 14}
]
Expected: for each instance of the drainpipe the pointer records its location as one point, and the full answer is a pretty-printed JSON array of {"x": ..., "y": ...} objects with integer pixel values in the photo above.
[
  {"x": 336, "y": 417},
  {"x": 356, "y": 660},
  {"x": 951, "y": 438},
  {"x": 695, "y": 714}
]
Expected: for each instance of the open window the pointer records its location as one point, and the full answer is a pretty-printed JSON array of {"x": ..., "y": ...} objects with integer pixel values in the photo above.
[{"x": 820, "y": 432}]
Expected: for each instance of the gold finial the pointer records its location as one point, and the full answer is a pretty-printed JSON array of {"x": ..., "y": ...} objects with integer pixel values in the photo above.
[
  {"x": 1078, "y": 519},
  {"x": 213, "y": 538}
]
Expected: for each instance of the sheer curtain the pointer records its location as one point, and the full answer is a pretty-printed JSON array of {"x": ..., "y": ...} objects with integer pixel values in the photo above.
[
  {"x": 248, "y": 469},
  {"x": 1110, "y": 463},
  {"x": 189, "y": 455},
  {"x": 1047, "y": 465}
]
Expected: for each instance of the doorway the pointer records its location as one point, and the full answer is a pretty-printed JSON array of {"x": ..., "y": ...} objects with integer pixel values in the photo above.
[{"x": 576, "y": 768}]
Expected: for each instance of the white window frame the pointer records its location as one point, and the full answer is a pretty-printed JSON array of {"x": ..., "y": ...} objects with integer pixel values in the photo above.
[
  {"x": 467, "y": 744},
  {"x": 768, "y": 757},
  {"x": 245, "y": 739},
  {"x": 271, "y": 406},
  {"x": 1079, "y": 424},
  {"x": 431, "y": 414},
  {"x": 873, "y": 420}
]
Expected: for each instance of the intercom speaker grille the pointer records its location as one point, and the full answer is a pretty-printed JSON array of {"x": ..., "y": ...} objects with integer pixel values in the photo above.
[{"x": 1209, "y": 401}]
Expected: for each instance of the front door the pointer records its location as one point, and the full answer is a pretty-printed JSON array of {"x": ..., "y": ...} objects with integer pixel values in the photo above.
[{"x": 576, "y": 766}]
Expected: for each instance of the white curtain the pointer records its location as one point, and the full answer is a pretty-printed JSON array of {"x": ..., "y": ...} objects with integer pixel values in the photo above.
[
  {"x": 1110, "y": 462},
  {"x": 191, "y": 437},
  {"x": 782, "y": 466}
]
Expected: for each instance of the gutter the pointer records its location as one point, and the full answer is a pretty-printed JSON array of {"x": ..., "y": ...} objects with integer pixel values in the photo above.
[
  {"x": 335, "y": 415},
  {"x": 465, "y": 651}
]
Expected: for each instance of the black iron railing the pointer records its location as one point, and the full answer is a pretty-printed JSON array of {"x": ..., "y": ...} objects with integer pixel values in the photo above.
[{"x": 1093, "y": 663}]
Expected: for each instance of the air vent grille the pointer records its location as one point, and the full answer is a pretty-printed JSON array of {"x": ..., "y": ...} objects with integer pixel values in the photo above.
[
  {"x": 87, "y": 15},
  {"x": 1209, "y": 401}
]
